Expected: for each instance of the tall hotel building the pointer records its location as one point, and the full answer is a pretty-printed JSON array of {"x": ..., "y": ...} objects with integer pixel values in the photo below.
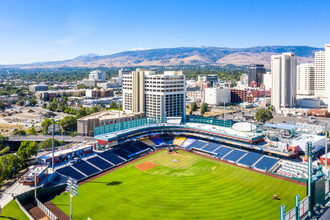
[
  {"x": 306, "y": 79},
  {"x": 154, "y": 94},
  {"x": 322, "y": 74},
  {"x": 284, "y": 82}
]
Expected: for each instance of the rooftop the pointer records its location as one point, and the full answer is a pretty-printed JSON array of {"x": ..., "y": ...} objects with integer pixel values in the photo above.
[{"x": 110, "y": 114}]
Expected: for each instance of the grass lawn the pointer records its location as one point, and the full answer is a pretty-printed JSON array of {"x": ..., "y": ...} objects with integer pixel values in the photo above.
[
  {"x": 183, "y": 186},
  {"x": 12, "y": 211}
]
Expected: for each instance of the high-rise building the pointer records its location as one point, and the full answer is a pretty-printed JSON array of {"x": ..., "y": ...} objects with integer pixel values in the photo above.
[
  {"x": 97, "y": 75},
  {"x": 268, "y": 81},
  {"x": 154, "y": 94},
  {"x": 327, "y": 74},
  {"x": 284, "y": 83},
  {"x": 319, "y": 87},
  {"x": 305, "y": 79},
  {"x": 256, "y": 73},
  {"x": 213, "y": 79}
]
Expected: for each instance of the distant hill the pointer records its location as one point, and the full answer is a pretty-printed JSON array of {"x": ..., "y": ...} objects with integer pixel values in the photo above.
[{"x": 182, "y": 56}]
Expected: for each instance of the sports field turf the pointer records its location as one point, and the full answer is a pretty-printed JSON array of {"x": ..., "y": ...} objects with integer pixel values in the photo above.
[
  {"x": 12, "y": 211},
  {"x": 190, "y": 187}
]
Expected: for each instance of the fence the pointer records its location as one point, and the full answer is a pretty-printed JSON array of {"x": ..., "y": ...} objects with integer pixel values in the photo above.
[
  {"x": 205, "y": 120},
  {"x": 303, "y": 210},
  {"x": 46, "y": 210},
  {"x": 327, "y": 189},
  {"x": 24, "y": 210}
]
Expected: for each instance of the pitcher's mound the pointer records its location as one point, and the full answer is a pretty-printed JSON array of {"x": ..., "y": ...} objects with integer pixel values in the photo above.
[{"x": 146, "y": 166}]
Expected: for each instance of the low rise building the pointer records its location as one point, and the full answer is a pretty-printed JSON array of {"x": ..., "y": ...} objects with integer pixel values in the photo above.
[
  {"x": 86, "y": 125},
  {"x": 36, "y": 88},
  {"x": 217, "y": 96}
]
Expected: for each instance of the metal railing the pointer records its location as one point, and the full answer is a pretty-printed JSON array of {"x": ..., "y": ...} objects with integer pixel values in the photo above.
[
  {"x": 304, "y": 207},
  {"x": 326, "y": 189},
  {"x": 46, "y": 210}
]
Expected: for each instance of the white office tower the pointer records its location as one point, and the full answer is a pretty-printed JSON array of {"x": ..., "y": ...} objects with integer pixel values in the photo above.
[
  {"x": 319, "y": 74},
  {"x": 97, "y": 75},
  {"x": 284, "y": 83},
  {"x": 306, "y": 79},
  {"x": 327, "y": 74},
  {"x": 154, "y": 94},
  {"x": 268, "y": 81}
]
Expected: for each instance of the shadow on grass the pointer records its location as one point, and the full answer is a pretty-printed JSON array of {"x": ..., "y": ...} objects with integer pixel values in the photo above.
[
  {"x": 5, "y": 217},
  {"x": 113, "y": 183}
]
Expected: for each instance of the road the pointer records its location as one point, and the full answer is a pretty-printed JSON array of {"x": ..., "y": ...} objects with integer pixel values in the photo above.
[{"x": 39, "y": 138}]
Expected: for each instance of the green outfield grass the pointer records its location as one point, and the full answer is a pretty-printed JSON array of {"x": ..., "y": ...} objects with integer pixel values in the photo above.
[
  {"x": 192, "y": 187},
  {"x": 12, "y": 211}
]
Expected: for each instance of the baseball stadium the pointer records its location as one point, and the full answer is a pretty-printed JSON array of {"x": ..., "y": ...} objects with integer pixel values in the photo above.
[{"x": 175, "y": 168}]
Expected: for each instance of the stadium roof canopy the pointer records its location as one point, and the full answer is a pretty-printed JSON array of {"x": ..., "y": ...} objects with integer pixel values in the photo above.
[{"x": 284, "y": 126}]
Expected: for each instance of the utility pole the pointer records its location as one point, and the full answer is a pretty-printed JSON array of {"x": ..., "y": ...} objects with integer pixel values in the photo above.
[
  {"x": 309, "y": 151},
  {"x": 326, "y": 146},
  {"x": 72, "y": 187},
  {"x": 53, "y": 147}
]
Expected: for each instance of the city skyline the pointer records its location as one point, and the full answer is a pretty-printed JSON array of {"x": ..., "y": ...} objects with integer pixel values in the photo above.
[{"x": 48, "y": 31}]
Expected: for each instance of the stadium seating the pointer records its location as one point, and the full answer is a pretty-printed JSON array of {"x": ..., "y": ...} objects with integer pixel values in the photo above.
[
  {"x": 158, "y": 141},
  {"x": 265, "y": 163},
  {"x": 197, "y": 144},
  {"x": 111, "y": 157},
  {"x": 100, "y": 163},
  {"x": 293, "y": 169},
  {"x": 70, "y": 172},
  {"x": 234, "y": 155},
  {"x": 122, "y": 153},
  {"x": 128, "y": 147},
  {"x": 86, "y": 168},
  {"x": 168, "y": 140},
  {"x": 178, "y": 141},
  {"x": 222, "y": 151},
  {"x": 211, "y": 147},
  {"x": 250, "y": 159},
  {"x": 147, "y": 141},
  {"x": 188, "y": 142},
  {"x": 141, "y": 145}
]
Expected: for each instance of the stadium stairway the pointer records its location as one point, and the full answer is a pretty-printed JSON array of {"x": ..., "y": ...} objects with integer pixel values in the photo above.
[{"x": 188, "y": 142}]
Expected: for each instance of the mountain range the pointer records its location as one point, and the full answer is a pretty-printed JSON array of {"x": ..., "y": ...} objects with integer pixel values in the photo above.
[{"x": 182, "y": 56}]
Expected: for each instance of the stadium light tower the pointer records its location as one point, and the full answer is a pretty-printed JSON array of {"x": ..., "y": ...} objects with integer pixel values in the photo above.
[
  {"x": 72, "y": 187},
  {"x": 309, "y": 152}
]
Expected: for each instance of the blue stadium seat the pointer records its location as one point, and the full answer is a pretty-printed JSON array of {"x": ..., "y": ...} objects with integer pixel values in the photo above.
[
  {"x": 113, "y": 158},
  {"x": 86, "y": 168},
  {"x": 128, "y": 147},
  {"x": 59, "y": 179},
  {"x": 222, "y": 151},
  {"x": 168, "y": 140},
  {"x": 140, "y": 145},
  {"x": 158, "y": 141},
  {"x": 234, "y": 155},
  {"x": 211, "y": 146},
  {"x": 121, "y": 152},
  {"x": 197, "y": 144},
  {"x": 266, "y": 163},
  {"x": 100, "y": 163},
  {"x": 250, "y": 159},
  {"x": 70, "y": 172}
]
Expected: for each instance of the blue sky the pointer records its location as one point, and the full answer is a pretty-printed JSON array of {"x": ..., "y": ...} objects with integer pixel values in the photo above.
[{"x": 46, "y": 30}]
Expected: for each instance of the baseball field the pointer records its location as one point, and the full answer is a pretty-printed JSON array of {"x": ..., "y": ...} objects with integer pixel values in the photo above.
[{"x": 181, "y": 186}]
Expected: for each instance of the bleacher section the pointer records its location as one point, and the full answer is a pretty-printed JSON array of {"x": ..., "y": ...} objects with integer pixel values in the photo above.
[
  {"x": 100, "y": 163},
  {"x": 122, "y": 153},
  {"x": 158, "y": 141},
  {"x": 111, "y": 157},
  {"x": 168, "y": 140},
  {"x": 147, "y": 141},
  {"x": 266, "y": 163},
  {"x": 188, "y": 142},
  {"x": 234, "y": 155},
  {"x": 141, "y": 145},
  {"x": 70, "y": 172},
  {"x": 178, "y": 141},
  {"x": 86, "y": 168},
  {"x": 293, "y": 169},
  {"x": 59, "y": 179},
  {"x": 222, "y": 151},
  {"x": 197, "y": 144},
  {"x": 249, "y": 159},
  {"x": 211, "y": 147},
  {"x": 128, "y": 147}
]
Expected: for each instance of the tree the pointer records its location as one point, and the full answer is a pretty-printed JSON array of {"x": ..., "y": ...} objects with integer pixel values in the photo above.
[
  {"x": 113, "y": 105},
  {"x": 3, "y": 139},
  {"x": 44, "y": 105},
  {"x": 4, "y": 150},
  {"x": 20, "y": 102},
  {"x": 45, "y": 124},
  {"x": 48, "y": 143},
  {"x": 68, "y": 123},
  {"x": 19, "y": 132},
  {"x": 263, "y": 115},
  {"x": 31, "y": 131},
  {"x": 26, "y": 150},
  {"x": 204, "y": 108},
  {"x": 193, "y": 106}
]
